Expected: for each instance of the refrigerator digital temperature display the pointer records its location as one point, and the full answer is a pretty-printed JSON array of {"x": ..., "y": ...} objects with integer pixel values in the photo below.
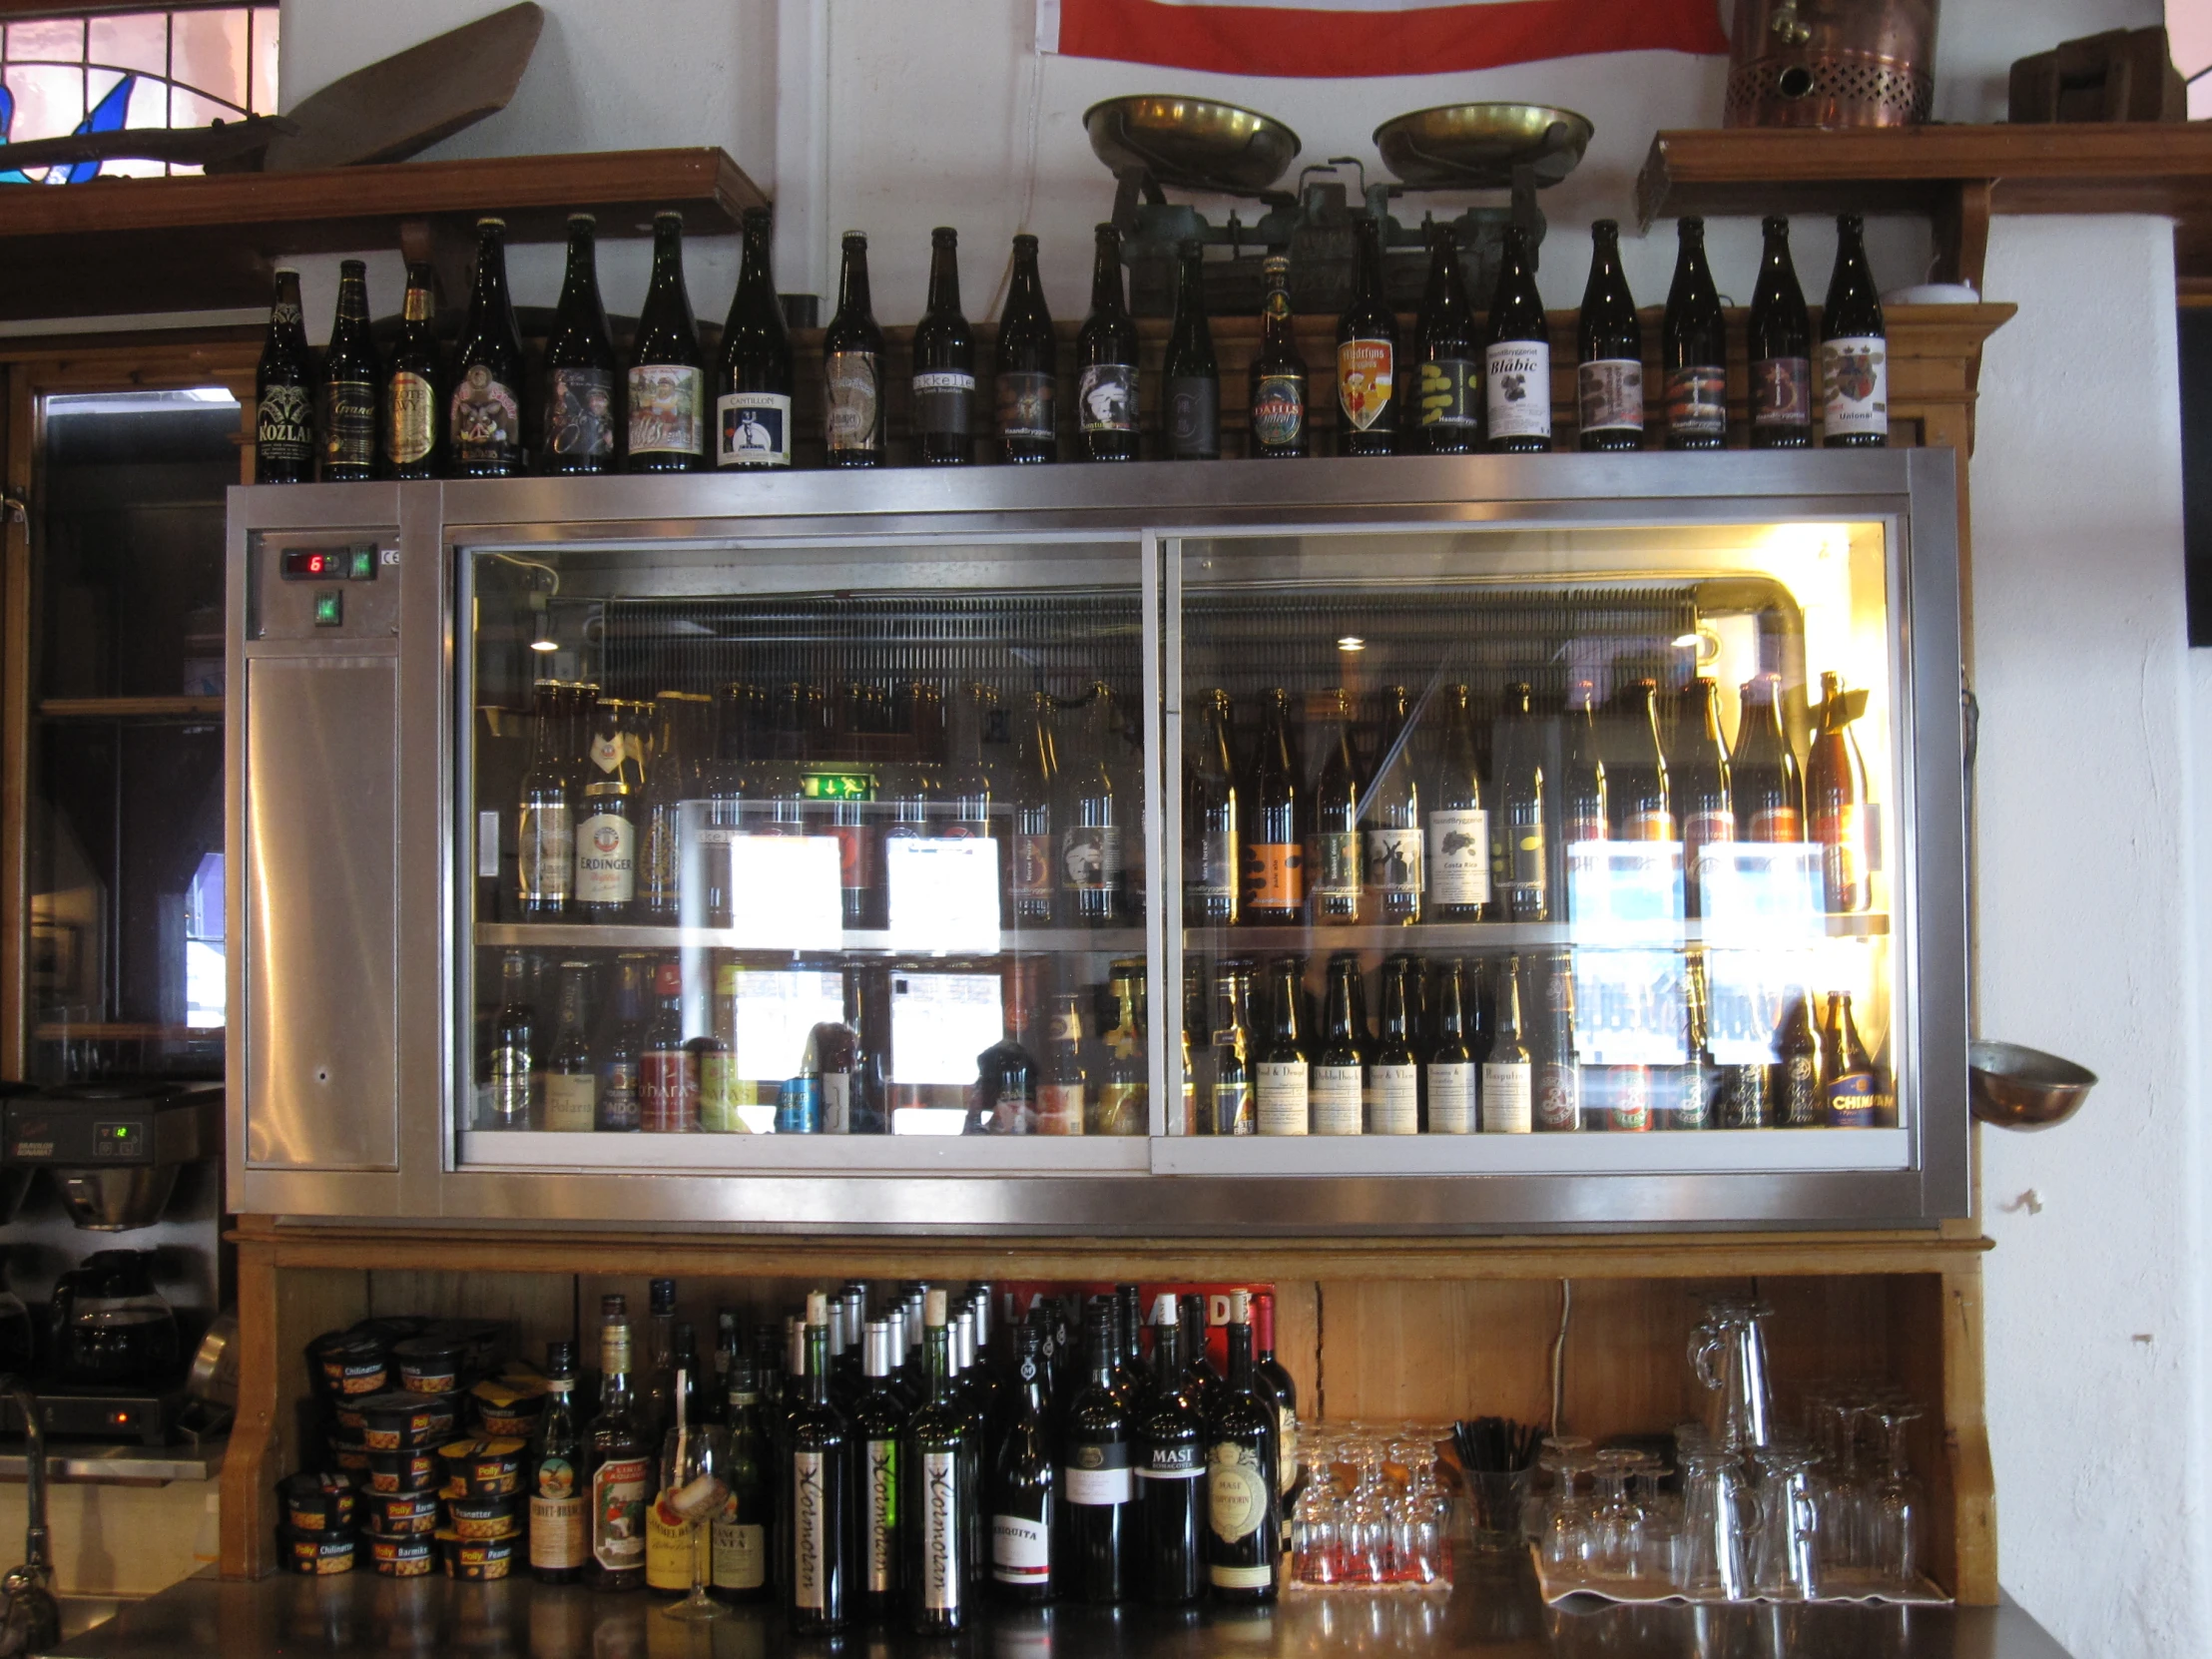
[{"x": 329, "y": 564}]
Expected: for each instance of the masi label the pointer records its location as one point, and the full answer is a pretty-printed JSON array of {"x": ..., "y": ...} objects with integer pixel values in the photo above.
[
  {"x": 580, "y": 413},
  {"x": 1855, "y": 387},
  {"x": 942, "y": 1567},
  {"x": 1106, "y": 398},
  {"x": 1459, "y": 856},
  {"x": 753, "y": 428},
  {"x": 1516, "y": 377},
  {"x": 1284, "y": 1105},
  {"x": 1507, "y": 1099},
  {"x": 1367, "y": 373}
]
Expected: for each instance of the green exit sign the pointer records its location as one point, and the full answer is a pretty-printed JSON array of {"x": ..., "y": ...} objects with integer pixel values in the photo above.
[{"x": 841, "y": 786}]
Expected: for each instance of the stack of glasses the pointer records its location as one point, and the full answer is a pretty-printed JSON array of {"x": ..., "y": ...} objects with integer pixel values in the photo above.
[{"x": 1372, "y": 1511}]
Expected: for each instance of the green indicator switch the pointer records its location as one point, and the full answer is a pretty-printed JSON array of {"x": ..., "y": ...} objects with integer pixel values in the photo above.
[
  {"x": 330, "y": 607},
  {"x": 361, "y": 566}
]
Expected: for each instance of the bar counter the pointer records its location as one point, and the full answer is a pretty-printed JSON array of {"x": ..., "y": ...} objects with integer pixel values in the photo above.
[{"x": 1493, "y": 1609}]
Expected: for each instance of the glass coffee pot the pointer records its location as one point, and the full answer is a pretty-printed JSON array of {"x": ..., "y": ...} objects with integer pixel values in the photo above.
[{"x": 112, "y": 1329}]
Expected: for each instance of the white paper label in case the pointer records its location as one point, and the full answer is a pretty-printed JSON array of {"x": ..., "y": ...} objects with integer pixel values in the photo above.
[
  {"x": 944, "y": 894},
  {"x": 1507, "y": 1096},
  {"x": 786, "y": 894},
  {"x": 1396, "y": 1099},
  {"x": 1335, "y": 1094},
  {"x": 941, "y": 1022},
  {"x": 1451, "y": 1098},
  {"x": 487, "y": 843}
]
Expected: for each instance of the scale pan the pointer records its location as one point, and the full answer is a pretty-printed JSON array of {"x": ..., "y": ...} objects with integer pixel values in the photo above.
[
  {"x": 1193, "y": 143},
  {"x": 1477, "y": 146}
]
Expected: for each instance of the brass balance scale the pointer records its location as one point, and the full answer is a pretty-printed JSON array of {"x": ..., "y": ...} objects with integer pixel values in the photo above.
[{"x": 1155, "y": 143}]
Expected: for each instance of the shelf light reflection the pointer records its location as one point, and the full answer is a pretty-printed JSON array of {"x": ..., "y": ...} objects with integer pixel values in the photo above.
[{"x": 1351, "y": 642}]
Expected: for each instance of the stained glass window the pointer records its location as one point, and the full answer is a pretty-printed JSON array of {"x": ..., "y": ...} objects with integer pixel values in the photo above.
[{"x": 168, "y": 67}]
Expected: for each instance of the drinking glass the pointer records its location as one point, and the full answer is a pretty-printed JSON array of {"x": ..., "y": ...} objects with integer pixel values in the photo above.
[
  {"x": 1536, "y": 1512},
  {"x": 1317, "y": 1530},
  {"x": 1898, "y": 1500},
  {"x": 1568, "y": 1532},
  {"x": 1616, "y": 1526},
  {"x": 696, "y": 1489},
  {"x": 1719, "y": 1520},
  {"x": 1367, "y": 1524},
  {"x": 1788, "y": 1556}
]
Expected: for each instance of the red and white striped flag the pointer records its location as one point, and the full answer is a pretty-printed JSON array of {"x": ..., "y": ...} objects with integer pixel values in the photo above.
[{"x": 1370, "y": 37}]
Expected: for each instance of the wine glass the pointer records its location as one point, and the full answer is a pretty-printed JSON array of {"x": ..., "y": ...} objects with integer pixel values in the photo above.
[
  {"x": 1897, "y": 1504},
  {"x": 696, "y": 1488}
]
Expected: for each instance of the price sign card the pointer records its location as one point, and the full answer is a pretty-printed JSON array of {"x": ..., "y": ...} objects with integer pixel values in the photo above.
[
  {"x": 944, "y": 895},
  {"x": 1629, "y": 1009},
  {"x": 1747, "y": 994},
  {"x": 941, "y": 1022},
  {"x": 773, "y": 1013},
  {"x": 1624, "y": 892},
  {"x": 1758, "y": 895},
  {"x": 785, "y": 892}
]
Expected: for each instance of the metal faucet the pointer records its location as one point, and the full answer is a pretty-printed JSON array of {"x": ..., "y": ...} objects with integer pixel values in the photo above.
[{"x": 30, "y": 1618}]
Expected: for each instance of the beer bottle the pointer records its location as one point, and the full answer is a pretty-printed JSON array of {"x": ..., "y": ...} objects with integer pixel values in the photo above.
[
  {"x": 1211, "y": 852},
  {"x": 411, "y": 406},
  {"x": 1007, "y": 1077},
  {"x": 1693, "y": 349},
  {"x": 1850, "y": 1087},
  {"x": 1233, "y": 1106},
  {"x": 1393, "y": 1075},
  {"x": 1447, "y": 391},
  {"x": 618, "y": 1052},
  {"x": 668, "y": 1069},
  {"x": 1027, "y": 376},
  {"x": 1636, "y": 781},
  {"x": 1448, "y": 1077},
  {"x": 753, "y": 381},
  {"x": 1458, "y": 862},
  {"x": 513, "y": 1047},
  {"x": 1854, "y": 349},
  {"x": 283, "y": 392},
  {"x": 1390, "y": 824},
  {"x": 668, "y": 377},
  {"x": 1781, "y": 347},
  {"x": 1698, "y": 775},
  {"x": 1106, "y": 360},
  {"x": 1276, "y": 398},
  {"x": 1521, "y": 865},
  {"x": 1368, "y": 392},
  {"x": 1283, "y": 1070},
  {"x": 545, "y": 825},
  {"x": 852, "y": 366},
  {"x": 1334, "y": 860},
  {"x": 780, "y": 808},
  {"x": 1191, "y": 408},
  {"x": 1836, "y": 797},
  {"x": 1091, "y": 850},
  {"x": 1036, "y": 847},
  {"x": 1338, "y": 1089},
  {"x": 1274, "y": 854},
  {"x": 582, "y": 406},
  {"x": 1508, "y": 1071},
  {"x": 1748, "y": 1097},
  {"x": 1124, "y": 1091},
  {"x": 945, "y": 362},
  {"x": 1557, "y": 1077},
  {"x": 668, "y": 782},
  {"x": 1797, "y": 1073},
  {"x": 1517, "y": 356},
  {"x": 606, "y": 841},
  {"x": 1062, "y": 1081},
  {"x": 345, "y": 411},
  {"x": 1764, "y": 786},
  {"x": 484, "y": 429},
  {"x": 1687, "y": 1103},
  {"x": 1609, "y": 370},
  {"x": 569, "y": 1087},
  {"x": 1582, "y": 790}
]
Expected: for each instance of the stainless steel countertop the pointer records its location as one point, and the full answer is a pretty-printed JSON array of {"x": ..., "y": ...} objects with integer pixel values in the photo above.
[{"x": 1491, "y": 1610}]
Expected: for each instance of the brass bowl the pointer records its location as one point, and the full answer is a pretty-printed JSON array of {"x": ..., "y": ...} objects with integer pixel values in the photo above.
[
  {"x": 2016, "y": 1087},
  {"x": 1193, "y": 143},
  {"x": 1477, "y": 146}
]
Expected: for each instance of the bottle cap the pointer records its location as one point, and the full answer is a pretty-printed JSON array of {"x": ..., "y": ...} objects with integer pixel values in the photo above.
[
  {"x": 663, "y": 1293},
  {"x": 613, "y": 1306},
  {"x": 560, "y": 1360},
  {"x": 818, "y": 1307},
  {"x": 1163, "y": 1309},
  {"x": 1240, "y": 1308},
  {"x": 934, "y": 1310}
]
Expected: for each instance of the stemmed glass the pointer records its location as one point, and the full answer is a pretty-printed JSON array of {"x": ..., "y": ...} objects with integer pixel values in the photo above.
[
  {"x": 1898, "y": 1500},
  {"x": 696, "y": 1488},
  {"x": 1567, "y": 1538},
  {"x": 1616, "y": 1526}
]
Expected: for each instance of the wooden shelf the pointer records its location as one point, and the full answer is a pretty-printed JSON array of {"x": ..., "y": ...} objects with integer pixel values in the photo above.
[
  {"x": 185, "y": 243},
  {"x": 131, "y": 708}
]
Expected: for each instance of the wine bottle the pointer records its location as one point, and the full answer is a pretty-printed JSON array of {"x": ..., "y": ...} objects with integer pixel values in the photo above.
[
  {"x": 1024, "y": 1481},
  {"x": 738, "y": 1539},
  {"x": 1780, "y": 344},
  {"x": 1854, "y": 349},
  {"x": 1106, "y": 363},
  {"x": 1517, "y": 356},
  {"x": 1272, "y": 1378},
  {"x": 1447, "y": 406},
  {"x": 939, "y": 1493},
  {"x": 821, "y": 1578},
  {"x": 753, "y": 381},
  {"x": 582, "y": 404},
  {"x": 1027, "y": 381},
  {"x": 1243, "y": 1516},
  {"x": 878, "y": 1424},
  {"x": 1171, "y": 1467},
  {"x": 1096, "y": 1488},
  {"x": 1191, "y": 404},
  {"x": 1693, "y": 349},
  {"x": 1609, "y": 370}
]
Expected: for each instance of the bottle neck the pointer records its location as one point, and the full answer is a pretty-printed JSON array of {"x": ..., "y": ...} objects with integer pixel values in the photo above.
[
  {"x": 758, "y": 277},
  {"x": 1370, "y": 261},
  {"x": 668, "y": 256},
  {"x": 944, "y": 278},
  {"x": 852, "y": 292},
  {"x": 582, "y": 276},
  {"x": 937, "y": 1342},
  {"x": 1240, "y": 1356},
  {"x": 818, "y": 1365},
  {"x": 1106, "y": 278}
]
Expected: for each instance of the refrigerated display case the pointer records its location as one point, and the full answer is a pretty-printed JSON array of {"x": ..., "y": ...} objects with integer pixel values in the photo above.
[{"x": 1391, "y": 846}]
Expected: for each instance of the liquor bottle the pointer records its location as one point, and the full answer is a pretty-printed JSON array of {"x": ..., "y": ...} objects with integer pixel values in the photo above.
[
  {"x": 853, "y": 367},
  {"x": 484, "y": 423},
  {"x": 754, "y": 379},
  {"x": 821, "y": 1575},
  {"x": 671, "y": 1539},
  {"x": 1274, "y": 855},
  {"x": 1062, "y": 1082},
  {"x": 1609, "y": 364},
  {"x": 1190, "y": 403},
  {"x": 1005, "y": 1076},
  {"x": 666, "y": 375},
  {"x": 1849, "y": 1086},
  {"x": 1368, "y": 390},
  {"x": 1449, "y": 1074},
  {"x": 1391, "y": 825},
  {"x": 1106, "y": 363},
  {"x": 1508, "y": 1072},
  {"x": 1693, "y": 349},
  {"x": 1091, "y": 848},
  {"x": 1765, "y": 787},
  {"x": 582, "y": 405},
  {"x": 606, "y": 841},
  {"x": 1277, "y": 396},
  {"x": 945, "y": 362},
  {"x": 939, "y": 1494},
  {"x": 1517, "y": 356},
  {"x": 879, "y": 1421},
  {"x": 656, "y": 1388},
  {"x": 668, "y": 1069},
  {"x": 513, "y": 1047},
  {"x": 1338, "y": 1082},
  {"x": 1698, "y": 776},
  {"x": 1780, "y": 345},
  {"x": 619, "y": 1463},
  {"x": 1124, "y": 1097},
  {"x": 556, "y": 1499},
  {"x": 569, "y": 1089},
  {"x": 1210, "y": 829},
  {"x": 1273, "y": 1379},
  {"x": 283, "y": 392},
  {"x": 670, "y": 781},
  {"x": 411, "y": 380},
  {"x": 1026, "y": 377},
  {"x": 1096, "y": 1486},
  {"x": 1836, "y": 799},
  {"x": 1024, "y": 1481},
  {"x": 1582, "y": 789},
  {"x": 1446, "y": 408},
  {"x": 619, "y": 1050},
  {"x": 1640, "y": 801},
  {"x": 1234, "y": 1110},
  {"x": 1855, "y": 348},
  {"x": 1392, "y": 1087},
  {"x": 1036, "y": 861},
  {"x": 1457, "y": 870},
  {"x": 1171, "y": 1467},
  {"x": 1335, "y": 860},
  {"x": 545, "y": 829},
  {"x": 1522, "y": 866},
  {"x": 346, "y": 408},
  {"x": 1557, "y": 1075},
  {"x": 1243, "y": 1521},
  {"x": 1283, "y": 1070},
  {"x": 738, "y": 1539}
]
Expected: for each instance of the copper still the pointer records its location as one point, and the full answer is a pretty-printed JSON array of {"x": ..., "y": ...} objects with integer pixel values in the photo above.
[{"x": 1832, "y": 62}]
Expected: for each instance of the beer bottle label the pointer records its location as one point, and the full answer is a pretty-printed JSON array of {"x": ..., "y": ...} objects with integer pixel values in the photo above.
[
  {"x": 1060, "y": 1109},
  {"x": 1026, "y": 406},
  {"x": 1106, "y": 397},
  {"x": 809, "y": 1530},
  {"x": 1451, "y": 1097},
  {"x": 618, "y": 1095},
  {"x": 1693, "y": 1107},
  {"x": 1517, "y": 389},
  {"x": 606, "y": 861},
  {"x": 1850, "y": 1100},
  {"x": 1396, "y": 1091},
  {"x": 580, "y": 413},
  {"x": 283, "y": 425},
  {"x": 1697, "y": 402},
  {"x": 1336, "y": 866},
  {"x": 665, "y": 400},
  {"x": 510, "y": 1086},
  {"x": 1524, "y": 863},
  {"x": 1842, "y": 833},
  {"x": 1090, "y": 856},
  {"x": 739, "y": 1553},
  {"x": 1337, "y": 1105},
  {"x": 545, "y": 844},
  {"x": 348, "y": 423},
  {"x": 1777, "y": 824},
  {"x": 571, "y": 1101},
  {"x": 718, "y": 1095},
  {"x": 1285, "y": 1108},
  {"x": 1033, "y": 866},
  {"x": 1629, "y": 1110},
  {"x": 1584, "y": 822},
  {"x": 1233, "y": 1109},
  {"x": 943, "y": 1556},
  {"x": 1098, "y": 1476},
  {"x": 880, "y": 1562},
  {"x": 1650, "y": 823},
  {"x": 1021, "y": 1550},
  {"x": 1508, "y": 1098},
  {"x": 1609, "y": 395},
  {"x": 668, "y": 1091},
  {"x": 1210, "y": 864},
  {"x": 486, "y": 421},
  {"x": 753, "y": 428},
  {"x": 1273, "y": 876},
  {"x": 557, "y": 1523},
  {"x": 944, "y": 403},
  {"x": 855, "y": 419},
  {"x": 618, "y": 1504},
  {"x": 1782, "y": 393},
  {"x": 1799, "y": 1103},
  {"x": 670, "y": 1547},
  {"x": 1393, "y": 861},
  {"x": 1445, "y": 391},
  {"x": 1558, "y": 1092},
  {"x": 1459, "y": 856},
  {"x": 1279, "y": 411},
  {"x": 410, "y": 418},
  {"x": 1123, "y": 1108},
  {"x": 1855, "y": 387},
  {"x": 1194, "y": 419},
  {"x": 1366, "y": 374}
]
